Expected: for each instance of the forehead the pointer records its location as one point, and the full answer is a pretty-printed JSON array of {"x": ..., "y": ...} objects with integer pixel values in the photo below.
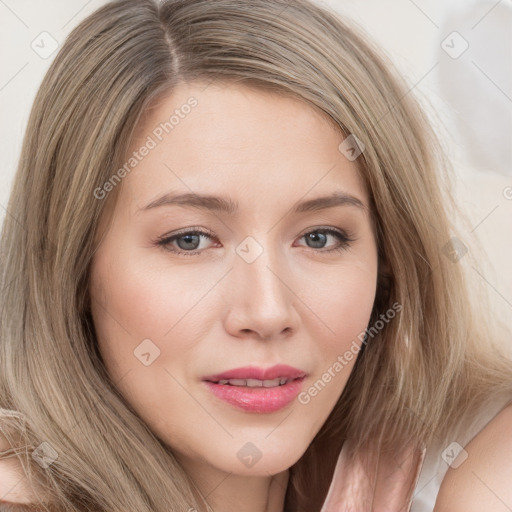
[{"x": 254, "y": 144}]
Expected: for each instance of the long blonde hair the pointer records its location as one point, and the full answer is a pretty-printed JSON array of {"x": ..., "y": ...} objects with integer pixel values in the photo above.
[{"x": 420, "y": 378}]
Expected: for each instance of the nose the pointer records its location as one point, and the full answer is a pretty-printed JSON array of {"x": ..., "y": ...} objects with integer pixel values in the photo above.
[{"x": 262, "y": 300}]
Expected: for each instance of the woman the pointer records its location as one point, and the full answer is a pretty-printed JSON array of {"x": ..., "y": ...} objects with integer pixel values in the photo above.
[{"x": 155, "y": 274}]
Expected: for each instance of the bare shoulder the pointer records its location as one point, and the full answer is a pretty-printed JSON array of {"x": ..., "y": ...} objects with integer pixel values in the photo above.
[
  {"x": 482, "y": 481},
  {"x": 13, "y": 485}
]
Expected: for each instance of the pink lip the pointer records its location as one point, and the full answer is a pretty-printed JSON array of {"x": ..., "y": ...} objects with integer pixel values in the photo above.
[
  {"x": 253, "y": 372},
  {"x": 257, "y": 399},
  {"x": 262, "y": 400}
]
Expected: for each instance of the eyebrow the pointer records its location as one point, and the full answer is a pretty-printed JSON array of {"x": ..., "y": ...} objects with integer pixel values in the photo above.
[{"x": 228, "y": 206}]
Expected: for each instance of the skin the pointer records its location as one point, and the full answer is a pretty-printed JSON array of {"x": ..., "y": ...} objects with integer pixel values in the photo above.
[
  {"x": 482, "y": 481},
  {"x": 295, "y": 304},
  {"x": 14, "y": 485}
]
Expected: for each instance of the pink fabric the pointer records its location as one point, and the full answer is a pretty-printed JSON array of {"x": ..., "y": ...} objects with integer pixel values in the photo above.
[{"x": 373, "y": 483}]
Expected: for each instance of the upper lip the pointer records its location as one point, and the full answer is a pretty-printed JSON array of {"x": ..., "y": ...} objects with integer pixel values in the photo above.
[{"x": 254, "y": 372}]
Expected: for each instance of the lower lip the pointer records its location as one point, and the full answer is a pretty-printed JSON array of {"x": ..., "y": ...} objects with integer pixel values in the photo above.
[{"x": 261, "y": 400}]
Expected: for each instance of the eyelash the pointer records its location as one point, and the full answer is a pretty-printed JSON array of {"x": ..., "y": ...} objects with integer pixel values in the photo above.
[{"x": 344, "y": 238}]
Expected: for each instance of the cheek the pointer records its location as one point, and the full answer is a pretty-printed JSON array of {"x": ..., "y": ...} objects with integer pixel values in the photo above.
[
  {"x": 348, "y": 315},
  {"x": 352, "y": 302},
  {"x": 343, "y": 300},
  {"x": 133, "y": 301},
  {"x": 140, "y": 316},
  {"x": 342, "y": 308}
]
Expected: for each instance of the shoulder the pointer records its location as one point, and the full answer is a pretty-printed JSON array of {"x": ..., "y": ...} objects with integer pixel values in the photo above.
[
  {"x": 482, "y": 480},
  {"x": 13, "y": 485}
]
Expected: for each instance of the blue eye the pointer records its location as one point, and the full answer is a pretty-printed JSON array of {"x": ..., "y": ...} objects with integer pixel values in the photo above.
[
  {"x": 319, "y": 236},
  {"x": 189, "y": 241}
]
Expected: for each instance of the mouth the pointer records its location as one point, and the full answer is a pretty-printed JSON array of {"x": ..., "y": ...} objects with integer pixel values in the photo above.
[
  {"x": 254, "y": 395},
  {"x": 254, "y": 376},
  {"x": 255, "y": 383}
]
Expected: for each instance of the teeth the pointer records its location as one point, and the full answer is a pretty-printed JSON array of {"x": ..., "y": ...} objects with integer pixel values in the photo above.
[
  {"x": 237, "y": 382},
  {"x": 255, "y": 383}
]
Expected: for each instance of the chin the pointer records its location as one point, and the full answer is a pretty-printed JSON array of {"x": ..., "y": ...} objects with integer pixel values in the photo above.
[{"x": 265, "y": 458}]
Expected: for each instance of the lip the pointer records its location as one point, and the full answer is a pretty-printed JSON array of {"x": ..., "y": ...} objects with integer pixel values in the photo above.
[
  {"x": 257, "y": 399},
  {"x": 254, "y": 372}
]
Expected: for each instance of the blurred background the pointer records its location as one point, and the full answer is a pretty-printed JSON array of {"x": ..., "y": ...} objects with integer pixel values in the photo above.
[{"x": 455, "y": 54}]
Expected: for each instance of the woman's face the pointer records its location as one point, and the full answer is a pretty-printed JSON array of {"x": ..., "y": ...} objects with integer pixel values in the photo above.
[{"x": 275, "y": 276}]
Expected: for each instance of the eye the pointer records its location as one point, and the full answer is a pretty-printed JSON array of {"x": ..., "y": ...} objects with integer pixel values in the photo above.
[
  {"x": 318, "y": 238},
  {"x": 188, "y": 242}
]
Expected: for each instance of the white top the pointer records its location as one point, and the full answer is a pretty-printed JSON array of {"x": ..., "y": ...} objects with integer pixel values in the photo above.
[{"x": 431, "y": 475}]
